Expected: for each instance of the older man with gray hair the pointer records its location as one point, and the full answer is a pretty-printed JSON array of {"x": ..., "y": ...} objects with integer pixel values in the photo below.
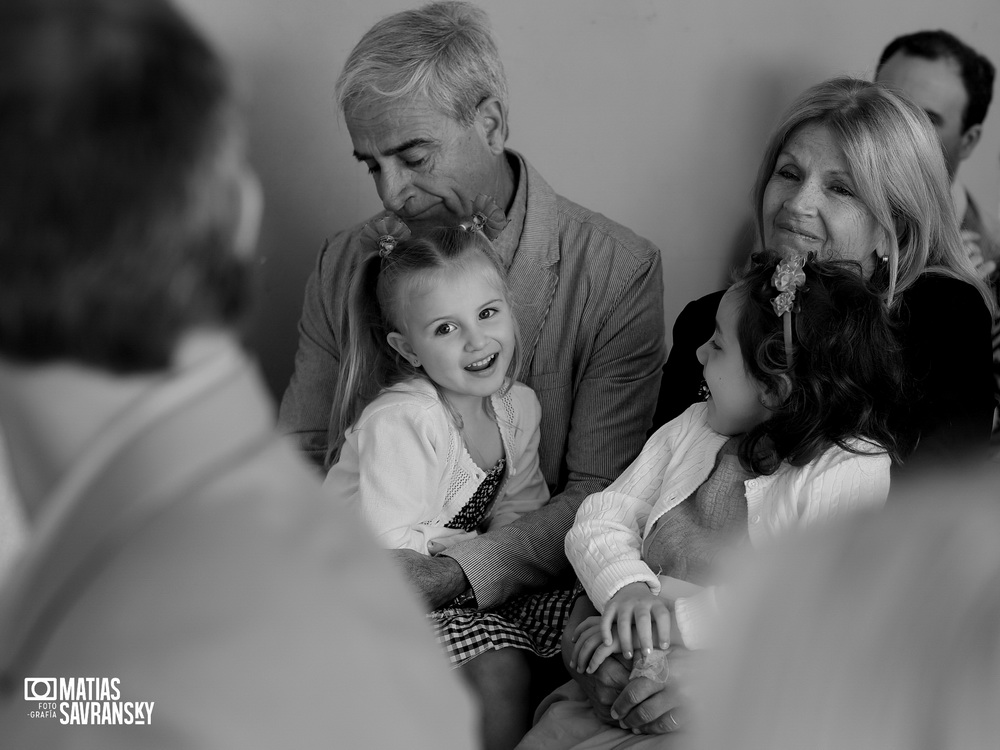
[{"x": 424, "y": 97}]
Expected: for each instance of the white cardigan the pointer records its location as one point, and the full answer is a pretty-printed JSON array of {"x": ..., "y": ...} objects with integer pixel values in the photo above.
[
  {"x": 605, "y": 543},
  {"x": 405, "y": 469}
]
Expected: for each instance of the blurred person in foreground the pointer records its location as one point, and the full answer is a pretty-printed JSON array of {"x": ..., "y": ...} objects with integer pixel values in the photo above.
[
  {"x": 183, "y": 585},
  {"x": 881, "y": 635}
]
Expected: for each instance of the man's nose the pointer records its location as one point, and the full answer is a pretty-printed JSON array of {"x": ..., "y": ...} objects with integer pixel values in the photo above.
[{"x": 393, "y": 188}]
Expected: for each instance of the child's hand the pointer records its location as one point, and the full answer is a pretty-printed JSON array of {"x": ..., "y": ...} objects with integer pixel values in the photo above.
[
  {"x": 636, "y": 605},
  {"x": 590, "y": 650}
]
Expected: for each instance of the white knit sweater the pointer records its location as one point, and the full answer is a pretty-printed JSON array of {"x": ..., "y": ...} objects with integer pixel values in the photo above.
[
  {"x": 405, "y": 469},
  {"x": 605, "y": 543}
]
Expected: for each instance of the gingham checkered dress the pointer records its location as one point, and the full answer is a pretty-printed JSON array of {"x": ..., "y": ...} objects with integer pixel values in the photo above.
[{"x": 533, "y": 622}]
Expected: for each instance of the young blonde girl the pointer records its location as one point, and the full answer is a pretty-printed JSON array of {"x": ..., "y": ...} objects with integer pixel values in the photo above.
[
  {"x": 429, "y": 408},
  {"x": 438, "y": 442}
]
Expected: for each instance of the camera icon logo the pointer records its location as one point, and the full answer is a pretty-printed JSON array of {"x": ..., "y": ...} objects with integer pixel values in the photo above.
[{"x": 40, "y": 689}]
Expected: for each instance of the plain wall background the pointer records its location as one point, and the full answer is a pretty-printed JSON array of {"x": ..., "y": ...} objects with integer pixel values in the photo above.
[{"x": 652, "y": 112}]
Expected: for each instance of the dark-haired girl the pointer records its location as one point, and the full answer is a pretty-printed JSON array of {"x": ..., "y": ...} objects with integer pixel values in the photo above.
[{"x": 800, "y": 376}]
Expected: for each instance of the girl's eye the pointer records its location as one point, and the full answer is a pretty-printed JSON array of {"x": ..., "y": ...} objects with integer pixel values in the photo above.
[
  {"x": 489, "y": 312},
  {"x": 444, "y": 329}
]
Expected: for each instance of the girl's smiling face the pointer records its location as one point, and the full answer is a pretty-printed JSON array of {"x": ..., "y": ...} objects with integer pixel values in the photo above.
[
  {"x": 459, "y": 328},
  {"x": 736, "y": 403}
]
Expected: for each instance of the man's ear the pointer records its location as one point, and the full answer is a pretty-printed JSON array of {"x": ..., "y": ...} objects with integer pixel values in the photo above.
[
  {"x": 493, "y": 119},
  {"x": 398, "y": 342},
  {"x": 969, "y": 140}
]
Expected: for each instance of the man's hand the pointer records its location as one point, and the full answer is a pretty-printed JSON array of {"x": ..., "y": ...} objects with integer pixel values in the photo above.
[
  {"x": 590, "y": 649},
  {"x": 604, "y": 686},
  {"x": 971, "y": 242},
  {"x": 437, "y": 579},
  {"x": 646, "y": 704},
  {"x": 655, "y": 707}
]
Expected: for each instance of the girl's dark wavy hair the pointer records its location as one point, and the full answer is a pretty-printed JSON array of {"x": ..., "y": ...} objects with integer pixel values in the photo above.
[{"x": 847, "y": 374}]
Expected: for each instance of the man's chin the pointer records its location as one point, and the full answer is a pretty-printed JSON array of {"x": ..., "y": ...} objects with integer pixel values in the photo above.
[{"x": 435, "y": 217}]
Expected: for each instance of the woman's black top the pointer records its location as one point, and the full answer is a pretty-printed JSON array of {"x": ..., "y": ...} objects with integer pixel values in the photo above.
[{"x": 945, "y": 331}]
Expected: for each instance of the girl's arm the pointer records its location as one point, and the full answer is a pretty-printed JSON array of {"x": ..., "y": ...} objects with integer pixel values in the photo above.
[
  {"x": 526, "y": 489},
  {"x": 390, "y": 470},
  {"x": 605, "y": 543}
]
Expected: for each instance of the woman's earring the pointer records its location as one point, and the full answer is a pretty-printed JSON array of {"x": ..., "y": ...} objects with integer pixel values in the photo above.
[{"x": 703, "y": 391}]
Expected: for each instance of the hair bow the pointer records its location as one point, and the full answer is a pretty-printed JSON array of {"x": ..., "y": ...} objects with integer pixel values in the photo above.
[
  {"x": 487, "y": 217},
  {"x": 788, "y": 278},
  {"x": 384, "y": 233}
]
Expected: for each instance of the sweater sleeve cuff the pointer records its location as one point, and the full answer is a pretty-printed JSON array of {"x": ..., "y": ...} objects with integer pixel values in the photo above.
[
  {"x": 696, "y": 618},
  {"x": 614, "y": 577}
]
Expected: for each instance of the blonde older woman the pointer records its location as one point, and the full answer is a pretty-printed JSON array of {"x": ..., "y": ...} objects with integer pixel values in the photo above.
[
  {"x": 856, "y": 171},
  {"x": 852, "y": 171}
]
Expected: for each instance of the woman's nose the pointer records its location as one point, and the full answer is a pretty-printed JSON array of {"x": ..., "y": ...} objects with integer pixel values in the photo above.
[{"x": 803, "y": 200}]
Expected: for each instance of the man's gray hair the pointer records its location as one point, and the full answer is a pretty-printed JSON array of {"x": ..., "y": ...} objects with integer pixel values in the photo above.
[{"x": 444, "y": 52}]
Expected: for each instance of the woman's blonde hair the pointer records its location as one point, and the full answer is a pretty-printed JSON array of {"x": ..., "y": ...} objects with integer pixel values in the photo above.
[{"x": 898, "y": 170}]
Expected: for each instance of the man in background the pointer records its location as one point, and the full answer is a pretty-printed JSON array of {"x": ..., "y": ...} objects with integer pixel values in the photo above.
[
  {"x": 953, "y": 83},
  {"x": 183, "y": 585}
]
